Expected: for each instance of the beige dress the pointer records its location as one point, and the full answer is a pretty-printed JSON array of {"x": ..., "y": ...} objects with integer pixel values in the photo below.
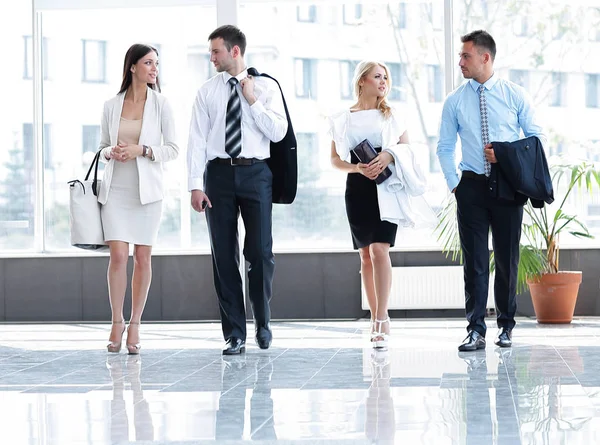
[{"x": 124, "y": 218}]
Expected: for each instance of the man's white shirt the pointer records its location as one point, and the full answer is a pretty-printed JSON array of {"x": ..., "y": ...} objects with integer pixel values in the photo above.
[{"x": 263, "y": 122}]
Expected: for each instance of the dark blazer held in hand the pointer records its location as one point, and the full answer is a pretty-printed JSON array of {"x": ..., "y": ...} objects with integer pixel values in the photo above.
[{"x": 521, "y": 172}]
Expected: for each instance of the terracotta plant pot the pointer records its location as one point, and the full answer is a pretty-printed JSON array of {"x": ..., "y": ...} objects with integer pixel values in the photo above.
[{"x": 554, "y": 296}]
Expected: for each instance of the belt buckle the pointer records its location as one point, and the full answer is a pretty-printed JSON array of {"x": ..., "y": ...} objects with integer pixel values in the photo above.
[{"x": 232, "y": 161}]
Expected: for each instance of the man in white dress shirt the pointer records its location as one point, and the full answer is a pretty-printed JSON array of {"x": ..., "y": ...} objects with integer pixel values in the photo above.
[{"x": 234, "y": 119}]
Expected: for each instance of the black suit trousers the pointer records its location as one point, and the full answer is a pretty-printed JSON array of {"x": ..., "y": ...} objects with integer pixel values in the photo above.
[
  {"x": 245, "y": 190},
  {"x": 477, "y": 212}
]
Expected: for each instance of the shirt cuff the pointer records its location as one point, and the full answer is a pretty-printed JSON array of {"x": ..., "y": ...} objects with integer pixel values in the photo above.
[
  {"x": 453, "y": 182},
  {"x": 195, "y": 184}
]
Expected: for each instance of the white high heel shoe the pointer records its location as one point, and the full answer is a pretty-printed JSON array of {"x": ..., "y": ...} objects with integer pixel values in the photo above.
[{"x": 379, "y": 338}]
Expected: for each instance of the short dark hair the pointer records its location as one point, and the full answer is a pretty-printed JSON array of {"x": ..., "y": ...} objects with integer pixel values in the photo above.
[
  {"x": 231, "y": 35},
  {"x": 482, "y": 39},
  {"x": 133, "y": 55}
]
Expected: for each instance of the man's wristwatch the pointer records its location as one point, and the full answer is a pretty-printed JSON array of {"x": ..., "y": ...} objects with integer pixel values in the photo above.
[{"x": 145, "y": 150}]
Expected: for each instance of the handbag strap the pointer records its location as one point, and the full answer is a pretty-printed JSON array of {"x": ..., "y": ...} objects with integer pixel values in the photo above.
[{"x": 95, "y": 163}]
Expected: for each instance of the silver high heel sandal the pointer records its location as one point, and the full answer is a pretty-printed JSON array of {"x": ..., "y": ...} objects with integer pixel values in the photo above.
[
  {"x": 380, "y": 338},
  {"x": 114, "y": 346},
  {"x": 133, "y": 349}
]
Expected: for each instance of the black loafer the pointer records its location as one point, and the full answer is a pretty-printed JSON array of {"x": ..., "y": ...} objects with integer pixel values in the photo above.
[
  {"x": 472, "y": 342},
  {"x": 234, "y": 346},
  {"x": 264, "y": 337},
  {"x": 504, "y": 339}
]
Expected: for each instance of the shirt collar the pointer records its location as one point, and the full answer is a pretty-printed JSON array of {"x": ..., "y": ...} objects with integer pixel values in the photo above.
[
  {"x": 489, "y": 84},
  {"x": 242, "y": 75}
]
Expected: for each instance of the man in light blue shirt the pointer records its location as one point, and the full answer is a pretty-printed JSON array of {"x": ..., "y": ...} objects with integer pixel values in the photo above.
[{"x": 484, "y": 109}]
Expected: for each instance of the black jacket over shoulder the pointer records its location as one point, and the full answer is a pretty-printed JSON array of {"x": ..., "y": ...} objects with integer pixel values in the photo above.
[
  {"x": 521, "y": 173},
  {"x": 283, "y": 160}
]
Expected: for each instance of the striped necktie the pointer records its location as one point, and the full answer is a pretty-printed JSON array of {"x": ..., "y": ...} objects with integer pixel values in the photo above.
[
  {"x": 485, "y": 132},
  {"x": 233, "y": 122}
]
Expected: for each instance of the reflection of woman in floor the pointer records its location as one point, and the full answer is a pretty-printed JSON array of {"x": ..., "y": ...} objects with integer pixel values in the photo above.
[
  {"x": 380, "y": 425},
  {"x": 142, "y": 419}
]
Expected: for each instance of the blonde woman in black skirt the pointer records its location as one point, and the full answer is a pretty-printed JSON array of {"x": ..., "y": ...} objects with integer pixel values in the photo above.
[{"x": 369, "y": 118}]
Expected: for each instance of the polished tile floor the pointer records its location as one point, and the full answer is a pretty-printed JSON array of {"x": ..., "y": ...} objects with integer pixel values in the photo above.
[{"x": 320, "y": 383}]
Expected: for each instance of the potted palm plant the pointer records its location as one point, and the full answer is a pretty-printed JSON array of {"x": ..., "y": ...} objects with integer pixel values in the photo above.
[{"x": 553, "y": 292}]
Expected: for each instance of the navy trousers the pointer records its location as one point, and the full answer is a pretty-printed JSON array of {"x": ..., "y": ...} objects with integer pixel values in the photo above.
[
  {"x": 245, "y": 190},
  {"x": 477, "y": 213}
]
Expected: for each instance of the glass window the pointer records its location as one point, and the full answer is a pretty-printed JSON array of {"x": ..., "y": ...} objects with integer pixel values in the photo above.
[
  {"x": 520, "y": 25},
  {"x": 435, "y": 83},
  {"x": 200, "y": 67},
  {"x": 557, "y": 96},
  {"x": 94, "y": 61},
  {"x": 347, "y": 68},
  {"x": 28, "y": 58},
  {"x": 397, "y": 73},
  {"x": 593, "y": 16},
  {"x": 591, "y": 90},
  {"x": 90, "y": 140},
  {"x": 305, "y": 75},
  {"x": 520, "y": 77},
  {"x": 352, "y": 13},
  {"x": 401, "y": 17},
  {"x": 434, "y": 14},
  {"x": 560, "y": 23},
  {"x": 17, "y": 186},
  {"x": 28, "y": 149},
  {"x": 306, "y": 13}
]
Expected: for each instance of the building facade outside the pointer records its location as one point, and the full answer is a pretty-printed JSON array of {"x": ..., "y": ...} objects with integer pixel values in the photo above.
[{"x": 312, "y": 49}]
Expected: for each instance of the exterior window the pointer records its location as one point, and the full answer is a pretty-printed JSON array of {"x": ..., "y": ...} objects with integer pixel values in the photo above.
[
  {"x": 347, "y": 68},
  {"x": 28, "y": 58},
  {"x": 306, "y": 13},
  {"x": 94, "y": 61},
  {"x": 306, "y": 78}
]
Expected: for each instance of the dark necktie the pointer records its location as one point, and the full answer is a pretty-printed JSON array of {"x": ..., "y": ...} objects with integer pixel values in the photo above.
[
  {"x": 233, "y": 122},
  {"x": 485, "y": 132}
]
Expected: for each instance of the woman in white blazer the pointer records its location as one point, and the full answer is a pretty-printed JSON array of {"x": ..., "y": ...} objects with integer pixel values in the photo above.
[
  {"x": 138, "y": 135},
  {"x": 369, "y": 118}
]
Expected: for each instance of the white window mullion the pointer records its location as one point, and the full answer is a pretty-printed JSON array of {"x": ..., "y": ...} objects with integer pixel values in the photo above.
[
  {"x": 38, "y": 156},
  {"x": 448, "y": 46}
]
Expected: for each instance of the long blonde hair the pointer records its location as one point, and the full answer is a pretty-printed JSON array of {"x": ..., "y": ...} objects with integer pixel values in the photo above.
[{"x": 361, "y": 70}]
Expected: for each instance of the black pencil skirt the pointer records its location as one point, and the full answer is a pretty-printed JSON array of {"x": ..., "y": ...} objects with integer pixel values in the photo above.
[{"x": 362, "y": 209}]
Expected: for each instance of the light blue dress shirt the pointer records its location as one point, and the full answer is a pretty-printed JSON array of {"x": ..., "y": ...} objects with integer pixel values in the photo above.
[{"x": 509, "y": 111}]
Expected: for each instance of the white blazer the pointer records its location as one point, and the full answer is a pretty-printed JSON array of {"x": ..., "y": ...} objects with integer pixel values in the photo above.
[{"x": 158, "y": 132}]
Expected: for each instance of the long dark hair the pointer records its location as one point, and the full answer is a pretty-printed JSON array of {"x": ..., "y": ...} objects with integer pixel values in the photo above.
[{"x": 133, "y": 55}]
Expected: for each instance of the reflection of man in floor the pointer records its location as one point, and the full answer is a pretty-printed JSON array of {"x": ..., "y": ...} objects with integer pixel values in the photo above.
[
  {"x": 479, "y": 416},
  {"x": 142, "y": 419},
  {"x": 236, "y": 378},
  {"x": 380, "y": 424},
  {"x": 261, "y": 404}
]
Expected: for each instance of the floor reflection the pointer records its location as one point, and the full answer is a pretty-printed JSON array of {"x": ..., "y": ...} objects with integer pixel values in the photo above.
[
  {"x": 126, "y": 372},
  {"x": 325, "y": 386},
  {"x": 380, "y": 426},
  {"x": 502, "y": 383},
  {"x": 240, "y": 374}
]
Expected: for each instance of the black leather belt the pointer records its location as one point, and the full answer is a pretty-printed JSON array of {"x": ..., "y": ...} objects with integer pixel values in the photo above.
[
  {"x": 472, "y": 175},
  {"x": 237, "y": 161}
]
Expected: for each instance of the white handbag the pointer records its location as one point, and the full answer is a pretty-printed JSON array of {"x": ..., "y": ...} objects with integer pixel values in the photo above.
[{"x": 86, "y": 223}]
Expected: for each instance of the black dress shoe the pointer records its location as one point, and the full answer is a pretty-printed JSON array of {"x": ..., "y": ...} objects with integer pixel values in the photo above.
[
  {"x": 473, "y": 342},
  {"x": 234, "y": 346},
  {"x": 264, "y": 337},
  {"x": 504, "y": 339}
]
